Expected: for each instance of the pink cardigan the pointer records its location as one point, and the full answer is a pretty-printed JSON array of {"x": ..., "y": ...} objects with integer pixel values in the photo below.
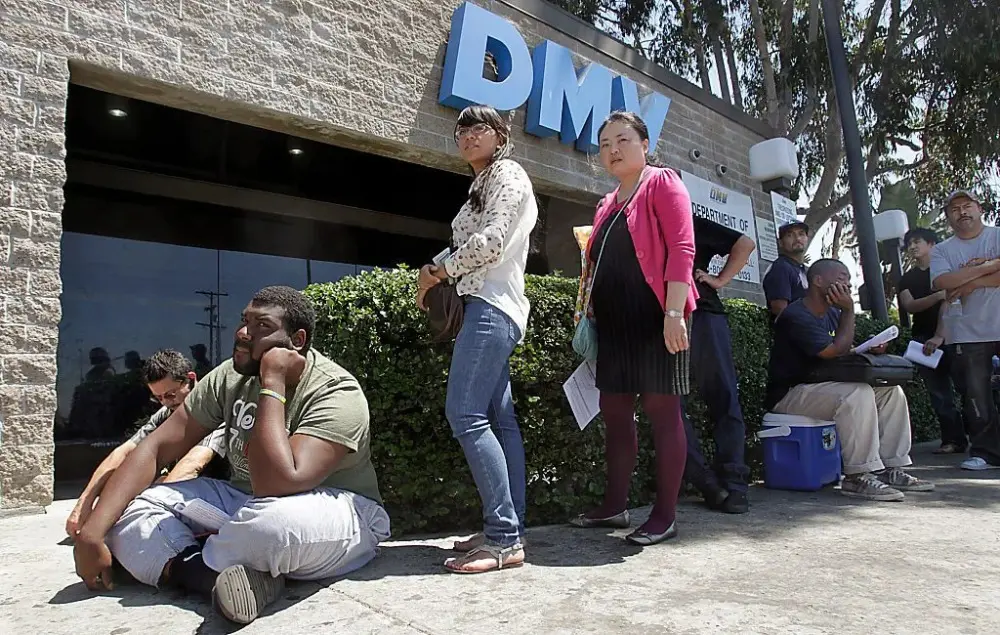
[{"x": 662, "y": 227}]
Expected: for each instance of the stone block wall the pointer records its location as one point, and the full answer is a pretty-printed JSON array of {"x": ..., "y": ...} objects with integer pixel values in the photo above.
[
  {"x": 360, "y": 74},
  {"x": 32, "y": 172}
]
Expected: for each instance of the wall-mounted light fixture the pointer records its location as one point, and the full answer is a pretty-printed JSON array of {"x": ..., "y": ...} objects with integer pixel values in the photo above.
[
  {"x": 295, "y": 147},
  {"x": 775, "y": 164}
]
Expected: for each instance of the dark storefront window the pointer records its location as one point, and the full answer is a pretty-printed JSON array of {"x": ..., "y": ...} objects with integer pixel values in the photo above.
[
  {"x": 123, "y": 299},
  {"x": 172, "y": 222}
]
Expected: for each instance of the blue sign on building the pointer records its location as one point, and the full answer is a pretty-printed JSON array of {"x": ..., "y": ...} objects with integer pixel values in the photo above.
[{"x": 561, "y": 100}]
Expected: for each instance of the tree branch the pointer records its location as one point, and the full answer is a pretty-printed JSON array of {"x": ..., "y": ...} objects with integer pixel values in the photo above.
[
  {"x": 833, "y": 145},
  {"x": 766, "y": 67},
  {"x": 869, "y": 39},
  {"x": 813, "y": 21},
  {"x": 896, "y": 139},
  {"x": 800, "y": 125}
]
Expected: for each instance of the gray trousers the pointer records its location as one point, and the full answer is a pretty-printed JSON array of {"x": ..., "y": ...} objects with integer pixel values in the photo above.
[{"x": 318, "y": 534}]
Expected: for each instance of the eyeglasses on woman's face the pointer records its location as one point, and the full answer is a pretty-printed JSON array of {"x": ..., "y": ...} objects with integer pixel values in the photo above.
[{"x": 477, "y": 130}]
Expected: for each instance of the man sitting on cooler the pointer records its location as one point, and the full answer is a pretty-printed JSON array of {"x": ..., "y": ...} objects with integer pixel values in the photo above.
[
  {"x": 873, "y": 423},
  {"x": 303, "y": 500}
]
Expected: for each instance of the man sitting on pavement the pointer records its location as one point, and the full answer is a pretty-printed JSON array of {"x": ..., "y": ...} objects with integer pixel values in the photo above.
[
  {"x": 714, "y": 373},
  {"x": 785, "y": 282},
  {"x": 967, "y": 267},
  {"x": 924, "y": 304},
  {"x": 303, "y": 500},
  {"x": 873, "y": 423},
  {"x": 170, "y": 378}
]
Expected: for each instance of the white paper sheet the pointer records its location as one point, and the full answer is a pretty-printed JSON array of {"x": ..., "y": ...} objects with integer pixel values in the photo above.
[
  {"x": 438, "y": 259},
  {"x": 208, "y": 516},
  {"x": 884, "y": 337},
  {"x": 581, "y": 391},
  {"x": 915, "y": 353}
]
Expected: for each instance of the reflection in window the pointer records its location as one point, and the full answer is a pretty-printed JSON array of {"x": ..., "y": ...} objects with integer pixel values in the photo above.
[{"x": 124, "y": 299}]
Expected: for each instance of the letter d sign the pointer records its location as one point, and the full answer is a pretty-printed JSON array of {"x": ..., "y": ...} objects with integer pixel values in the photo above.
[{"x": 473, "y": 32}]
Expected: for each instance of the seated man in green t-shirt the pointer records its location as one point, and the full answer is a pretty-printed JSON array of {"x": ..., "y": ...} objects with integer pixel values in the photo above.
[{"x": 303, "y": 498}]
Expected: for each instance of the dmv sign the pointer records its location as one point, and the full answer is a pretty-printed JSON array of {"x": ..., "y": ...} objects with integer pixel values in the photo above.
[{"x": 561, "y": 100}]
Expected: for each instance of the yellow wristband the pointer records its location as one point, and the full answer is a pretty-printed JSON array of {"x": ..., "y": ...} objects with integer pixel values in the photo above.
[{"x": 270, "y": 393}]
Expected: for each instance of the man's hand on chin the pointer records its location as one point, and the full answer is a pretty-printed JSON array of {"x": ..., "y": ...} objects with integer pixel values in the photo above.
[{"x": 281, "y": 366}]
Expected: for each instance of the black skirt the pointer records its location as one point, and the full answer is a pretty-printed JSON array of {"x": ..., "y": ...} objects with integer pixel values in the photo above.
[{"x": 631, "y": 354}]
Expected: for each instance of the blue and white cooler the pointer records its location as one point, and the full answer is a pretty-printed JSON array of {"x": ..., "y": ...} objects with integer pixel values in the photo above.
[{"x": 800, "y": 453}]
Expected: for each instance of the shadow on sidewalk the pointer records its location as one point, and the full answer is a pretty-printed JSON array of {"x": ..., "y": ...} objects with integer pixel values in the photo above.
[{"x": 132, "y": 594}]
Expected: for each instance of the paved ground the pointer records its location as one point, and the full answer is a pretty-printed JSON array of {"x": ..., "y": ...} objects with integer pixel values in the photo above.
[{"x": 798, "y": 563}]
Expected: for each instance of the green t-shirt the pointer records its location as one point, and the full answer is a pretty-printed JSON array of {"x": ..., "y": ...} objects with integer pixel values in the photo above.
[{"x": 328, "y": 403}]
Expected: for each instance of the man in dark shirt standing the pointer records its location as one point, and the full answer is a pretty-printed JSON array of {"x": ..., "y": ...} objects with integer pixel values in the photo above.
[
  {"x": 785, "y": 282},
  {"x": 714, "y": 373},
  {"x": 873, "y": 423},
  {"x": 917, "y": 298}
]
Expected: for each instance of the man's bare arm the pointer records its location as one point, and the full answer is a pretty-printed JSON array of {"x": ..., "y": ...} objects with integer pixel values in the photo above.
[
  {"x": 191, "y": 466},
  {"x": 738, "y": 258},
  {"x": 94, "y": 487},
  {"x": 281, "y": 465},
  {"x": 955, "y": 279},
  {"x": 983, "y": 282},
  {"x": 916, "y": 306},
  {"x": 170, "y": 441}
]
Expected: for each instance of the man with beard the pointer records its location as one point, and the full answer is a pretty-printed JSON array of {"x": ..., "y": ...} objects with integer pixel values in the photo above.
[
  {"x": 169, "y": 377},
  {"x": 785, "y": 282},
  {"x": 303, "y": 499},
  {"x": 967, "y": 266}
]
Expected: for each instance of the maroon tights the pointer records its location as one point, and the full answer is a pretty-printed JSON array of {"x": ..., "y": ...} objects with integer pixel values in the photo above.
[{"x": 622, "y": 446}]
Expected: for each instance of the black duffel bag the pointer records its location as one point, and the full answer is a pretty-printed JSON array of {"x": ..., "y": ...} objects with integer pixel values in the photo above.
[{"x": 863, "y": 368}]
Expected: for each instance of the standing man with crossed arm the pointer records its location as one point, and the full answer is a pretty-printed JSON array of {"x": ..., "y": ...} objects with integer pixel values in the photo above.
[{"x": 967, "y": 267}]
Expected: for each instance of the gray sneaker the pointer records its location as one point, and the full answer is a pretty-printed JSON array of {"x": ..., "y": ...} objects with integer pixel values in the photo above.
[
  {"x": 896, "y": 478},
  {"x": 869, "y": 487},
  {"x": 241, "y": 593}
]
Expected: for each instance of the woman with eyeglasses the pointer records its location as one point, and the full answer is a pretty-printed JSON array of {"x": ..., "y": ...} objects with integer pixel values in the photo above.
[
  {"x": 638, "y": 271},
  {"x": 487, "y": 262}
]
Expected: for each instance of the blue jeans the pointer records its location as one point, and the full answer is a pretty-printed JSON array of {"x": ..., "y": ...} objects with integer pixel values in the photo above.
[
  {"x": 715, "y": 377},
  {"x": 478, "y": 396}
]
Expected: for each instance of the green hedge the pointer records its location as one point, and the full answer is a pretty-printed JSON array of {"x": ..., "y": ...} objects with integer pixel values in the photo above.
[{"x": 370, "y": 325}]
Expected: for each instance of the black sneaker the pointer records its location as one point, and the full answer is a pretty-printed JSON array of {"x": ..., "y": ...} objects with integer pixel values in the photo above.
[
  {"x": 735, "y": 503},
  {"x": 241, "y": 593},
  {"x": 715, "y": 498}
]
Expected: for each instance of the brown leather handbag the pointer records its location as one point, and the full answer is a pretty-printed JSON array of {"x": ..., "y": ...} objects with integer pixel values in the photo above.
[{"x": 445, "y": 311}]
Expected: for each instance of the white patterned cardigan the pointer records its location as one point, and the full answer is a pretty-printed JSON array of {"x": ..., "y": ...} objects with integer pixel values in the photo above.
[{"x": 482, "y": 235}]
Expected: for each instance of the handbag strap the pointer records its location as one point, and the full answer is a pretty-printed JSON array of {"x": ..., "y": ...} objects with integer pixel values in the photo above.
[{"x": 604, "y": 242}]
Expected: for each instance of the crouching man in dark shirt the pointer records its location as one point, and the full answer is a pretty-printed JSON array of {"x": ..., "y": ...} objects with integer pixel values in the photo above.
[{"x": 873, "y": 423}]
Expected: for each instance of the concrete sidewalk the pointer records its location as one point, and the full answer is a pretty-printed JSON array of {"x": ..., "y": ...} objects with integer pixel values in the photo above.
[{"x": 798, "y": 563}]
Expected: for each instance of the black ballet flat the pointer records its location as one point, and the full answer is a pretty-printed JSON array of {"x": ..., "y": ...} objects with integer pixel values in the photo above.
[{"x": 643, "y": 538}]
